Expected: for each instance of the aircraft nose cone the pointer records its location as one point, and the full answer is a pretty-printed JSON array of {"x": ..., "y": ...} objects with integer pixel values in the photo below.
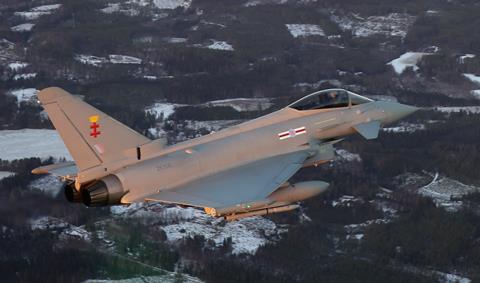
[{"x": 397, "y": 111}]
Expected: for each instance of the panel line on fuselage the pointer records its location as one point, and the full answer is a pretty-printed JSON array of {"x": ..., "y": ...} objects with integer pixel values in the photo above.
[{"x": 325, "y": 121}]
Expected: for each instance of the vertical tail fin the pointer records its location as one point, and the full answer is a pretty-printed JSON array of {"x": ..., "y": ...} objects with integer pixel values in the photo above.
[{"x": 91, "y": 136}]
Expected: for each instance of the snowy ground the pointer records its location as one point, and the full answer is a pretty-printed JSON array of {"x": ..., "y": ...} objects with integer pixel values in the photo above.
[
  {"x": 5, "y": 174},
  {"x": 445, "y": 192},
  {"x": 112, "y": 59},
  {"x": 162, "y": 109},
  {"x": 344, "y": 155},
  {"x": 37, "y": 12},
  {"x": 167, "y": 278},
  {"x": 175, "y": 39},
  {"x": 404, "y": 127},
  {"x": 473, "y": 78},
  {"x": 357, "y": 231},
  {"x": 409, "y": 59},
  {"x": 56, "y": 225},
  {"x": 17, "y": 66},
  {"x": 24, "y": 94},
  {"x": 476, "y": 80},
  {"x": 49, "y": 185},
  {"x": 239, "y": 104},
  {"x": 463, "y": 58},
  {"x": 216, "y": 45},
  {"x": 117, "y": 8},
  {"x": 347, "y": 201},
  {"x": 124, "y": 59},
  {"x": 303, "y": 30},
  {"x": 476, "y": 93},
  {"x": 247, "y": 234},
  {"x": 172, "y": 4},
  {"x": 458, "y": 109},
  {"x": 18, "y": 144},
  {"x": 393, "y": 24},
  {"x": 253, "y": 3},
  {"x": 242, "y": 104},
  {"x": 23, "y": 27},
  {"x": 316, "y": 85},
  {"x": 211, "y": 126},
  {"x": 90, "y": 60},
  {"x": 26, "y": 76}
]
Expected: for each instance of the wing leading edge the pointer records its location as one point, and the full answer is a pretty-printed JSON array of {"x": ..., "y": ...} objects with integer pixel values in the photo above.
[{"x": 240, "y": 185}]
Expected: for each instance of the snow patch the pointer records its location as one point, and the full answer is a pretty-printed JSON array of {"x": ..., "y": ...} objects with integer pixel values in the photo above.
[
  {"x": 462, "y": 58},
  {"x": 405, "y": 128},
  {"x": 458, "y": 109},
  {"x": 90, "y": 60},
  {"x": 56, "y": 225},
  {"x": 356, "y": 231},
  {"x": 26, "y": 143},
  {"x": 24, "y": 94},
  {"x": 210, "y": 126},
  {"x": 5, "y": 174},
  {"x": 172, "y": 4},
  {"x": 117, "y": 8},
  {"x": 23, "y": 27},
  {"x": 220, "y": 45},
  {"x": 247, "y": 234},
  {"x": 347, "y": 156},
  {"x": 476, "y": 80},
  {"x": 175, "y": 39},
  {"x": 47, "y": 222},
  {"x": 113, "y": 59},
  {"x": 39, "y": 11},
  {"x": 446, "y": 192},
  {"x": 26, "y": 76},
  {"x": 452, "y": 278},
  {"x": 346, "y": 201},
  {"x": 253, "y": 3},
  {"x": 473, "y": 78},
  {"x": 304, "y": 30},
  {"x": 409, "y": 59},
  {"x": 316, "y": 85},
  {"x": 124, "y": 59},
  {"x": 170, "y": 277},
  {"x": 16, "y": 66},
  {"x": 394, "y": 24},
  {"x": 49, "y": 185},
  {"x": 476, "y": 93},
  {"x": 242, "y": 104},
  {"x": 111, "y": 8},
  {"x": 162, "y": 109}
]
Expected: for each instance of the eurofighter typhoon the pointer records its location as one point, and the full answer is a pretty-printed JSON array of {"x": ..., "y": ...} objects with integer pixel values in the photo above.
[{"x": 238, "y": 172}]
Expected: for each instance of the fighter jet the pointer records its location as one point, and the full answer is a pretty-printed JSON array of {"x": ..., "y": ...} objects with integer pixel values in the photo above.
[{"x": 237, "y": 172}]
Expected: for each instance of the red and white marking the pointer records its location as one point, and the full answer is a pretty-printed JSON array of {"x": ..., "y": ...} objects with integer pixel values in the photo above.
[{"x": 292, "y": 133}]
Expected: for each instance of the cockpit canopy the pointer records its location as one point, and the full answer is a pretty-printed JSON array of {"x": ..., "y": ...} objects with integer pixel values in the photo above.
[{"x": 329, "y": 98}]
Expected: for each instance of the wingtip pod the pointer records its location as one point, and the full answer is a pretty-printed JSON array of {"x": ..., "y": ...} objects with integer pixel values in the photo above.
[{"x": 51, "y": 94}]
